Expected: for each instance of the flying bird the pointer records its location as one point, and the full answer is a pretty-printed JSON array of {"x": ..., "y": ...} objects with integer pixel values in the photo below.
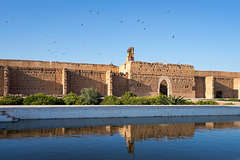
[
  {"x": 82, "y": 24},
  {"x": 173, "y": 36},
  {"x": 144, "y": 29},
  {"x": 138, "y": 20},
  {"x": 7, "y": 21},
  {"x": 97, "y": 12},
  {"x": 121, "y": 21},
  {"x": 168, "y": 11}
]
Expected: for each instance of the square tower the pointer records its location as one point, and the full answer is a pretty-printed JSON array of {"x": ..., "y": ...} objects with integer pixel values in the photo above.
[{"x": 130, "y": 56}]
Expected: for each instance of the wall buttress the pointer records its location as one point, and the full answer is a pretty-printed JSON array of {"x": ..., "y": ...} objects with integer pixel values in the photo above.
[
  {"x": 64, "y": 81},
  {"x": 209, "y": 90},
  {"x": 6, "y": 81},
  {"x": 109, "y": 82}
]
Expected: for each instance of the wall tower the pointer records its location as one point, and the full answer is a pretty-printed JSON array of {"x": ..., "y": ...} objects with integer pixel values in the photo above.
[{"x": 130, "y": 56}]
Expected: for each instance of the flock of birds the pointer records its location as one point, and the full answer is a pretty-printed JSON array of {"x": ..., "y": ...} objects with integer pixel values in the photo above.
[
  {"x": 92, "y": 11},
  {"x": 121, "y": 21}
]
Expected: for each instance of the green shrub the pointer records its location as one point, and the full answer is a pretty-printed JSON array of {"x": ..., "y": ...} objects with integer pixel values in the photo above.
[
  {"x": 129, "y": 95},
  {"x": 134, "y": 101},
  {"x": 208, "y": 102},
  {"x": 110, "y": 100},
  {"x": 80, "y": 101},
  {"x": 73, "y": 99},
  {"x": 189, "y": 103},
  {"x": 159, "y": 99},
  {"x": 11, "y": 100},
  {"x": 140, "y": 101},
  {"x": 229, "y": 99},
  {"x": 228, "y": 104},
  {"x": 128, "y": 98},
  {"x": 233, "y": 99},
  {"x": 151, "y": 100},
  {"x": 91, "y": 96},
  {"x": 42, "y": 99},
  {"x": 221, "y": 99},
  {"x": 170, "y": 100}
]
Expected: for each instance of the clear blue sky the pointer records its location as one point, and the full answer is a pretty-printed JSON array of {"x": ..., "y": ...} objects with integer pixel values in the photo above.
[{"x": 206, "y": 32}]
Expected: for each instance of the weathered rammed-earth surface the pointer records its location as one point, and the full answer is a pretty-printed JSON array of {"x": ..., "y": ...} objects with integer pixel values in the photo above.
[{"x": 24, "y": 77}]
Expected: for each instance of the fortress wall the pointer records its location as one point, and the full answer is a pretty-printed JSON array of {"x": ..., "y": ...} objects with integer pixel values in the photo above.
[
  {"x": 79, "y": 79},
  {"x": 200, "y": 87},
  {"x": 120, "y": 84},
  {"x": 225, "y": 85},
  {"x": 161, "y": 69},
  {"x": 143, "y": 85},
  {"x": 144, "y": 78},
  {"x": 217, "y": 74},
  {"x": 1, "y": 80},
  {"x": 28, "y": 81},
  {"x": 183, "y": 86},
  {"x": 59, "y": 65},
  {"x": 223, "y": 81}
]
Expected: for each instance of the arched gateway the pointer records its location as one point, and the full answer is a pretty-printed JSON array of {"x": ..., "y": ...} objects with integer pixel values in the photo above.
[{"x": 164, "y": 86}]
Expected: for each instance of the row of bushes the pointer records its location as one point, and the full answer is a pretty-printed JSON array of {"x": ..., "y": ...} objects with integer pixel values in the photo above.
[
  {"x": 130, "y": 98},
  {"x": 88, "y": 96},
  {"x": 91, "y": 96},
  {"x": 229, "y": 99}
]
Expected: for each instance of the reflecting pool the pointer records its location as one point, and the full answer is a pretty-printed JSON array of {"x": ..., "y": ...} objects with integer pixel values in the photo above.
[{"x": 129, "y": 138}]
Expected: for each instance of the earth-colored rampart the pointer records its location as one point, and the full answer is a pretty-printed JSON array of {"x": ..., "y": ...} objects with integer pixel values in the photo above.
[{"x": 24, "y": 77}]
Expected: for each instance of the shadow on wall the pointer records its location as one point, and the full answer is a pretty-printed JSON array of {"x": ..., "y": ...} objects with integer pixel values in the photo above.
[
  {"x": 223, "y": 91},
  {"x": 21, "y": 82},
  {"x": 199, "y": 87},
  {"x": 120, "y": 85},
  {"x": 141, "y": 89},
  {"x": 78, "y": 81}
]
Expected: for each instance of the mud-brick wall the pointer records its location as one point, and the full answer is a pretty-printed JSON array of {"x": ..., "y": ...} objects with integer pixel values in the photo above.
[
  {"x": 225, "y": 85},
  {"x": 216, "y": 74},
  {"x": 119, "y": 83},
  {"x": 162, "y": 69},
  {"x": 28, "y": 81},
  {"x": 79, "y": 79},
  {"x": 1, "y": 80},
  {"x": 144, "y": 78},
  {"x": 183, "y": 86},
  {"x": 143, "y": 85},
  {"x": 200, "y": 87},
  {"x": 59, "y": 65}
]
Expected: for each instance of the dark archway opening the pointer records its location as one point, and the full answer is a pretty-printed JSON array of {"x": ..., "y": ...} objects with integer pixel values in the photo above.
[
  {"x": 163, "y": 88},
  {"x": 219, "y": 94}
]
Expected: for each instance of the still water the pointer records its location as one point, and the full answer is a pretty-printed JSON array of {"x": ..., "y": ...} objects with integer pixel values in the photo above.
[{"x": 147, "y": 138}]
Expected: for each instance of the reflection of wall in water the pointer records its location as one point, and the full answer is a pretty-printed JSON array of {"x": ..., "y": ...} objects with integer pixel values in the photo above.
[
  {"x": 217, "y": 125},
  {"x": 156, "y": 131},
  {"x": 131, "y": 133}
]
